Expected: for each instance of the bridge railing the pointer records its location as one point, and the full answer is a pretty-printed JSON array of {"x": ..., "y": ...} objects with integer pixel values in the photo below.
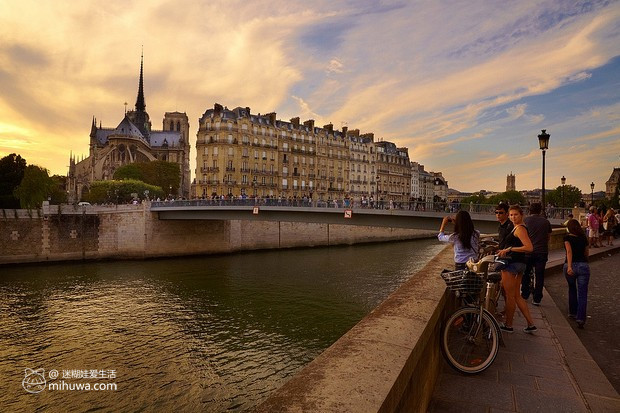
[{"x": 485, "y": 209}]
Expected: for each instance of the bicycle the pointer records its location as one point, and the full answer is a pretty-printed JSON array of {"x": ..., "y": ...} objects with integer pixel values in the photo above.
[{"x": 471, "y": 336}]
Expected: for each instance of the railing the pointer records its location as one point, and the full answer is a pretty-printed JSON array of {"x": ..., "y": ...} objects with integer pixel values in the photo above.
[{"x": 366, "y": 203}]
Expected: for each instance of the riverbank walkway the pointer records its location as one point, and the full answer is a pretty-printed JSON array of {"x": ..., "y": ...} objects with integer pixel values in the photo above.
[{"x": 549, "y": 370}]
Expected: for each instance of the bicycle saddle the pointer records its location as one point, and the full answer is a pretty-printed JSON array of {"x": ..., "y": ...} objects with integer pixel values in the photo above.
[{"x": 480, "y": 266}]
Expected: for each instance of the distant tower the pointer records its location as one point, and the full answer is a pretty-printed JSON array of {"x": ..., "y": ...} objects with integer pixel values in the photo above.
[{"x": 510, "y": 183}]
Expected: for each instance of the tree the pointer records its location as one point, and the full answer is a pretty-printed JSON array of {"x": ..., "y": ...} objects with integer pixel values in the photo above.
[
  {"x": 475, "y": 199},
  {"x": 166, "y": 175},
  {"x": 59, "y": 193},
  {"x": 572, "y": 196},
  {"x": 35, "y": 187},
  {"x": 101, "y": 192},
  {"x": 12, "y": 168},
  {"x": 509, "y": 197}
]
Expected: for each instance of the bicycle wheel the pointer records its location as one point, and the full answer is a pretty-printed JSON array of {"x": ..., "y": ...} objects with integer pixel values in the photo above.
[{"x": 469, "y": 342}]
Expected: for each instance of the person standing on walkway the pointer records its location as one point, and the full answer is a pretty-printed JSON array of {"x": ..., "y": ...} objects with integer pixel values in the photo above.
[
  {"x": 609, "y": 225},
  {"x": 577, "y": 271},
  {"x": 593, "y": 225},
  {"x": 539, "y": 231},
  {"x": 518, "y": 244},
  {"x": 465, "y": 238},
  {"x": 505, "y": 225}
]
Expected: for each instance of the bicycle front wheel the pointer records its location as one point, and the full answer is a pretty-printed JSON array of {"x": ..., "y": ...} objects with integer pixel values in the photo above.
[{"x": 470, "y": 342}]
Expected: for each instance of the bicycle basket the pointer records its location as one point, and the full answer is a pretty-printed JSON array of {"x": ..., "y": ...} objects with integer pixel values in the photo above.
[{"x": 463, "y": 281}]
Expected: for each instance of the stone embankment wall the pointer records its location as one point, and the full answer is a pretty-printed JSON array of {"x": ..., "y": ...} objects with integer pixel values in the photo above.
[{"x": 131, "y": 231}]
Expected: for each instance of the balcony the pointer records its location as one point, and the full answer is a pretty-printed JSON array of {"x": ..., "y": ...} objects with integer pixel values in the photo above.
[
  {"x": 210, "y": 169},
  {"x": 230, "y": 169}
]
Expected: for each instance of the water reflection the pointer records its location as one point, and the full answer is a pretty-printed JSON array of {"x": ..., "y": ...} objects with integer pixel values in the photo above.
[{"x": 210, "y": 333}]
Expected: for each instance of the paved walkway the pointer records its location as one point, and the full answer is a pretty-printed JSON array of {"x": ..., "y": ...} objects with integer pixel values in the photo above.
[{"x": 549, "y": 371}]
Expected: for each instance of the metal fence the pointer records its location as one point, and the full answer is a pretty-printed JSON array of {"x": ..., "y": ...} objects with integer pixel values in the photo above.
[{"x": 484, "y": 209}]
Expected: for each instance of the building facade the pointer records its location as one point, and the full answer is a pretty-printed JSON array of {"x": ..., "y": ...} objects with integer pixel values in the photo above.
[
  {"x": 240, "y": 154},
  {"x": 612, "y": 183},
  {"x": 132, "y": 141},
  {"x": 511, "y": 182}
]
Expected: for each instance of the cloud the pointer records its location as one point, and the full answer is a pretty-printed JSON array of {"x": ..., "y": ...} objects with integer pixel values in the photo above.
[{"x": 453, "y": 82}]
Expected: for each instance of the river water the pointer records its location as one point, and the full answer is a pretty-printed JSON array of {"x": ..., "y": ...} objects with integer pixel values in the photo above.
[{"x": 212, "y": 334}]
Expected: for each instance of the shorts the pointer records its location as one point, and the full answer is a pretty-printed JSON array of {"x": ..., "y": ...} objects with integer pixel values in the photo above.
[
  {"x": 593, "y": 233},
  {"x": 515, "y": 268}
]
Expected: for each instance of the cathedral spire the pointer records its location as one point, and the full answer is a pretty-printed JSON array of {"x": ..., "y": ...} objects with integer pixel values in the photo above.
[{"x": 140, "y": 104}]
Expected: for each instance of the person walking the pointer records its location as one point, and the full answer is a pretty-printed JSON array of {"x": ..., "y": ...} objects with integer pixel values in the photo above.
[
  {"x": 465, "y": 238},
  {"x": 577, "y": 271},
  {"x": 539, "y": 231},
  {"x": 518, "y": 244}
]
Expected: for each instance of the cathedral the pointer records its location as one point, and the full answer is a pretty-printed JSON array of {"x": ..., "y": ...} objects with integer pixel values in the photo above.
[{"x": 131, "y": 141}]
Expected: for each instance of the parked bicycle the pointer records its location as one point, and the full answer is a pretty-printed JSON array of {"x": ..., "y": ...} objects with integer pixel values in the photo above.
[{"x": 471, "y": 336}]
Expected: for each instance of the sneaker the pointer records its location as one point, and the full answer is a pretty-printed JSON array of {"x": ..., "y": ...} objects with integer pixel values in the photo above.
[
  {"x": 530, "y": 329},
  {"x": 536, "y": 303},
  {"x": 506, "y": 329}
]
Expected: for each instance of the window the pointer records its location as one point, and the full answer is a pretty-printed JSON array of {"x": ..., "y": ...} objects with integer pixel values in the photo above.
[
  {"x": 215, "y": 151},
  {"x": 231, "y": 152}
]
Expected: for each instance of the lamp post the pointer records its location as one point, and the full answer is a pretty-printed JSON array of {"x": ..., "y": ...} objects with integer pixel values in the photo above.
[
  {"x": 592, "y": 188},
  {"x": 543, "y": 141},
  {"x": 563, "y": 179}
]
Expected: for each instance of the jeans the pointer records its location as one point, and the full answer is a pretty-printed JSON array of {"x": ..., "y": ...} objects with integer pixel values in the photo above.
[
  {"x": 537, "y": 262},
  {"x": 578, "y": 289}
]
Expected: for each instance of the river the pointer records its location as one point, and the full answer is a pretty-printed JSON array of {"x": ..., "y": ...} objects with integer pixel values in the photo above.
[{"x": 215, "y": 333}]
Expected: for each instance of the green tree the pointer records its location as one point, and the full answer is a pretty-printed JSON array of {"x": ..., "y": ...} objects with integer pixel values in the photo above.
[
  {"x": 35, "y": 187},
  {"x": 59, "y": 193},
  {"x": 572, "y": 196},
  {"x": 510, "y": 197},
  {"x": 101, "y": 192},
  {"x": 12, "y": 168},
  {"x": 475, "y": 199},
  {"x": 130, "y": 171},
  {"x": 166, "y": 175}
]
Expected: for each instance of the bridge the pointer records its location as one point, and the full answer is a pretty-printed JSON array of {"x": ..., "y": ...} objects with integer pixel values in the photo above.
[{"x": 317, "y": 212}]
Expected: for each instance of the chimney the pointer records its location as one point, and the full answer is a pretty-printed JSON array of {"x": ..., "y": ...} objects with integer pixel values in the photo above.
[
  {"x": 344, "y": 130},
  {"x": 309, "y": 124},
  {"x": 247, "y": 110},
  {"x": 295, "y": 122},
  {"x": 329, "y": 127},
  {"x": 217, "y": 108},
  {"x": 272, "y": 118}
]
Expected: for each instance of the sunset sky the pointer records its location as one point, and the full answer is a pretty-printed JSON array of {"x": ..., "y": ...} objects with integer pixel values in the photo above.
[{"x": 465, "y": 85}]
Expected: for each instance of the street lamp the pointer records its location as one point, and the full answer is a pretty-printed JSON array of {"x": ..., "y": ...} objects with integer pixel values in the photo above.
[
  {"x": 563, "y": 179},
  {"x": 592, "y": 188},
  {"x": 543, "y": 141}
]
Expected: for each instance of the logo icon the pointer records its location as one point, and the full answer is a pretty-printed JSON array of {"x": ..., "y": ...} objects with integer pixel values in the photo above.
[{"x": 34, "y": 381}]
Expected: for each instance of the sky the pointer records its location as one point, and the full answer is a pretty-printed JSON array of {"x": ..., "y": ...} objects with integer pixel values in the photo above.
[{"x": 466, "y": 85}]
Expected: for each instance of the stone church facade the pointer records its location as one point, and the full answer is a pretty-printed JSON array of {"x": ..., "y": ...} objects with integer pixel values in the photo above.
[{"x": 132, "y": 141}]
